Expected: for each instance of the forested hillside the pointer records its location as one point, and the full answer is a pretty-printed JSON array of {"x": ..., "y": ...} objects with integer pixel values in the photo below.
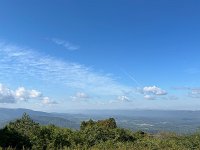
[{"x": 24, "y": 133}]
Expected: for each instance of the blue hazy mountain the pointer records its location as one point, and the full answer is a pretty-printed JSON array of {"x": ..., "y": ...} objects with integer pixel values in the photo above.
[
  {"x": 152, "y": 121},
  {"x": 43, "y": 118}
]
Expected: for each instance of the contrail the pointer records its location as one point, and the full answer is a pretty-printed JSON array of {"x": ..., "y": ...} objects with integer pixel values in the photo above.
[{"x": 131, "y": 77}]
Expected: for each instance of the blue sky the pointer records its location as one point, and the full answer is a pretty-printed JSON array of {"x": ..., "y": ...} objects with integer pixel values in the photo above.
[{"x": 103, "y": 54}]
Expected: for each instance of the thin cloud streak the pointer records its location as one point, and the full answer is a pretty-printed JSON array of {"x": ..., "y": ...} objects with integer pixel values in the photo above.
[
  {"x": 22, "y": 61},
  {"x": 131, "y": 77},
  {"x": 67, "y": 45}
]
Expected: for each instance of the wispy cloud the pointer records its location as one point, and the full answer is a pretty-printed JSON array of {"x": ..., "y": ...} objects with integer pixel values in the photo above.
[
  {"x": 80, "y": 96},
  {"x": 18, "y": 61},
  {"x": 172, "y": 97},
  {"x": 120, "y": 99},
  {"x": 150, "y": 97},
  {"x": 48, "y": 101},
  {"x": 192, "y": 92},
  {"x": 66, "y": 44},
  {"x": 131, "y": 77},
  {"x": 123, "y": 98}
]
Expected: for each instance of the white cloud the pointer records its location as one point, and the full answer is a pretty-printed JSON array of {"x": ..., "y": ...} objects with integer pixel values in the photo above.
[
  {"x": 47, "y": 101},
  {"x": 20, "y": 94},
  {"x": 6, "y": 95},
  {"x": 120, "y": 99},
  {"x": 123, "y": 98},
  {"x": 154, "y": 90},
  {"x": 80, "y": 96},
  {"x": 65, "y": 44},
  {"x": 149, "y": 97},
  {"x": 194, "y": 93},
  {"x": 34, "y": 94}
]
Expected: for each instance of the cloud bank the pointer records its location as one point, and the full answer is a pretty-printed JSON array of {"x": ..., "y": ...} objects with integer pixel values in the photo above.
[{"x": 21, "y": 94}]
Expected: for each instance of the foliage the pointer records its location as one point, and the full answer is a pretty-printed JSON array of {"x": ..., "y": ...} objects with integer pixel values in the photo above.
[
  {"x": 107, "y": 123},
  {"x": 20, "y": 133},
  {"x": 95, "y": 135}
]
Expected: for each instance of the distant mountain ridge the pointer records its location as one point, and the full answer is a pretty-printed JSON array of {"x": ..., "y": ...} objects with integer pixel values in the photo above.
[
  {"x": 180, "y": 121},
  {"x": 43, "y": 118}
]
